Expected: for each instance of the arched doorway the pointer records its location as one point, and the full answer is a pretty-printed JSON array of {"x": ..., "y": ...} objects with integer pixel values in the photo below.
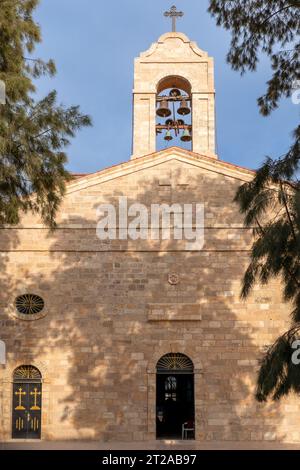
[
  {"x": 175, "y": 403},
  {"x": 27, "y": 403}
]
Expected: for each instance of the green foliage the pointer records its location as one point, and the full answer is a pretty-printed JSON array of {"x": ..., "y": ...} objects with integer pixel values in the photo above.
[
  {"x": 270, "y": 203},
  {"x": 33, "y": 134},
  {"x": 271, "y": 27},
  {"x": 278, "y": 374}
]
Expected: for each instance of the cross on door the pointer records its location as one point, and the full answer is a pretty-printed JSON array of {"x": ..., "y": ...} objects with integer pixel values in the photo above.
[
  {"x": 20, "y": 393},
  {"x": 35, "y": 393}
]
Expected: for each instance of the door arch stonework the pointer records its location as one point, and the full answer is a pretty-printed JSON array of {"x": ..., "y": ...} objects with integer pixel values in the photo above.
[
  {"x": 199, "y": 385},
  {"x": 175, "y": 398},
  {"x": 26, "y": 403},
  {"x": 7, "y": 391}
]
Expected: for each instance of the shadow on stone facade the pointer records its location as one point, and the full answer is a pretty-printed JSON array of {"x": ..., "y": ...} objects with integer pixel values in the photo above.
[
  {"x": 9, "y": 241},
  {"x": 99, "y": 344}
]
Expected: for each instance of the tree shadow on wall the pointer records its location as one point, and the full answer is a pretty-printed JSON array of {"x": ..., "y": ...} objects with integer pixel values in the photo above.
[
  {"x": 8, "y": 243},
  {"x": 99, "y": 344}
]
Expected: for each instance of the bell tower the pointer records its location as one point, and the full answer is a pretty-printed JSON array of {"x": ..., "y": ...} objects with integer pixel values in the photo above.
[{"x": 174, "y": 96}]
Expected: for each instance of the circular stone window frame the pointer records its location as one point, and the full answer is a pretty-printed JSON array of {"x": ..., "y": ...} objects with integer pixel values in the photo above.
[{"x": 23, "y": 316}]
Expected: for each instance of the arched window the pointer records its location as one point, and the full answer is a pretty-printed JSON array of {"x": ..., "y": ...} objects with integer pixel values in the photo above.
[
  {"x": 174, "y": 106},
  {"x": 25, "y": 373},
  {"x": 175, "y": 362}
]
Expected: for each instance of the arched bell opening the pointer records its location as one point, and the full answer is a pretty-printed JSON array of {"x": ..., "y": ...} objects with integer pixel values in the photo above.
[
  {"x": 174, "y": 113},
  {"x": 175, "y": 400},
  {"x": 27, "y": 403}
]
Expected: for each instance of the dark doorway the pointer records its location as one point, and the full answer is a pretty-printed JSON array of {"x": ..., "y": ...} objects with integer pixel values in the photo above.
[
  {"x": 175, "y": 404},
  {"x": 27, "y": 403}
]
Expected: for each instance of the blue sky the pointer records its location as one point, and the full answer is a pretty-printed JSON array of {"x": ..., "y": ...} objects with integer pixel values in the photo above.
[{"x": 94, "y": 44}]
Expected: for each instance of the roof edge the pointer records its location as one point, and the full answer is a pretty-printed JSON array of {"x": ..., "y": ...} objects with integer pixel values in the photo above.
[{"x": 153, "y": 158}]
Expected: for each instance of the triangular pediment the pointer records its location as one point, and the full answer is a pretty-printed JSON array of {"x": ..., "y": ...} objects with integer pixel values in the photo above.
[{"x": 204, "y": 162}]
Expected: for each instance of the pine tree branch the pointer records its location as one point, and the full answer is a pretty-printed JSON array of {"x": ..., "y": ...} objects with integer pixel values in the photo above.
[
  {"x": 30, "y": 118},
  {"x": 274, "y": 14},
  {"x": 34, "y": 132},
  {"x": 260, "y": 25},
  {"x": 37, "y": 136},
  {"x": 43, "y": 133},
  {"x": 291, "y": 184},
  {"x": 260, "y": 227},
  {"x": 32, "y": 60},
  {"x": 288, "y": 212},
  {"x": 291, "y": 274}
]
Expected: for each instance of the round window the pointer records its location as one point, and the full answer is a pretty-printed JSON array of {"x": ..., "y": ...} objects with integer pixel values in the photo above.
[{"x": 29, "y": 304}]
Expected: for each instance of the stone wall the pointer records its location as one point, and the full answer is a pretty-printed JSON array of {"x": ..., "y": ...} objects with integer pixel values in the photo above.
[{"x": 111, "y": 314}]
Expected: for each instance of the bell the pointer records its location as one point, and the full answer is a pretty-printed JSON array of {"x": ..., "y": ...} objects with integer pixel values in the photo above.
[
  {"x": 163, "y": 110},
  {"x": 175, "y": 92},
  {"x": 186, "y": 136},
  {"x": 180, "y": 122},
  {"x": 168, "y": 136},
  {"x": 184, "y": 109},
  {"x": 169, "y": 122}
]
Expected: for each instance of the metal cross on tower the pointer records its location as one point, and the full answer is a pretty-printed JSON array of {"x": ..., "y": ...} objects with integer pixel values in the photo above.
[{"x": 174, "y": 14}]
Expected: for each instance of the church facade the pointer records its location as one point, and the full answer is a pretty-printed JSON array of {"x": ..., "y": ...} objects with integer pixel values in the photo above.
[{"x": 135, "y": 338}]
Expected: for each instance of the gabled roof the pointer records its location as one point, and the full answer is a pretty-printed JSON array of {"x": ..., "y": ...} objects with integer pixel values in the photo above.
[{"x": 172, "y": 153}]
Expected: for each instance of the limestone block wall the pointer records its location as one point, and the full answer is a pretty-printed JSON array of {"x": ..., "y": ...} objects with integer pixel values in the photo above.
[{"x": 110, "y": 316}]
